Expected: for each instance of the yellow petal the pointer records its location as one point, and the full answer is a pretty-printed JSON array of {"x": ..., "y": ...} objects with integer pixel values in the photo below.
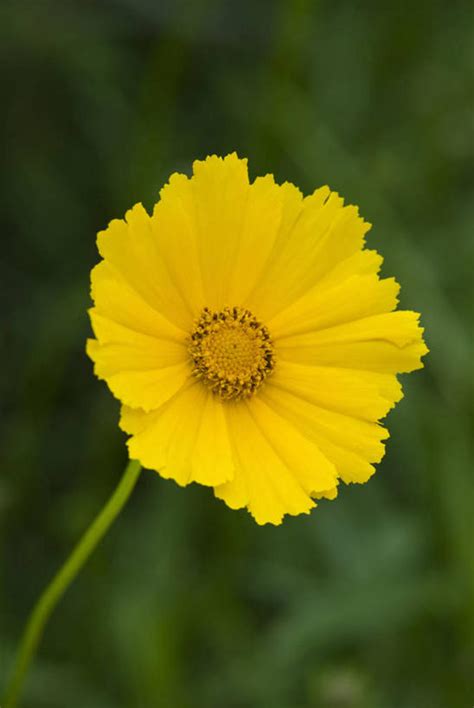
[
  {"x": 326, "y": 494},
  {"x": 263, "y": 220},
  {"x": 216, "y": 231},
  {"x": 220, "y": 188},
  {"x": 175, "y": 231},
  {"x": 185, "y": 440},
  {"x": 117, "y": 302},
  {"x": 362, "y": 394},
  {"x": 130, "y": 247},
  {"x": 350, "y": 443},
  {"x": 324, "y": 234},
  {"x": 262, "y": 480},
  {"x": 364, "y": 262},
  {"x": 352, "y": 299},
  {"x": 213, "y": 461},
  {"x": 147, "y": 388},
  {"x": 135, "y": 420},
  {"x": 303, "y": 458},
  {"x": 141, "y": 371},
  {"x": 388, "y": 343}
]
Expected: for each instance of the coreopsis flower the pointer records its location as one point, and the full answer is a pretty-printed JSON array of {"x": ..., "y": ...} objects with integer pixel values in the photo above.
[{"x": 249, "y": 338}]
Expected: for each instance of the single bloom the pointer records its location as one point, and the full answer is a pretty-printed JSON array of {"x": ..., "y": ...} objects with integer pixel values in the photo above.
[{"x": 248, "y": 335}]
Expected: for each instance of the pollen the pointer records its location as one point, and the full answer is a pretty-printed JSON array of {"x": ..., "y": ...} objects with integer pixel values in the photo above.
[{"x": 231, "y": 352}]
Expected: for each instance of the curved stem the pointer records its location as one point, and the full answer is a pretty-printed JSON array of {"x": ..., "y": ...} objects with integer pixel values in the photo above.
[{"x": 63, "y": 578}]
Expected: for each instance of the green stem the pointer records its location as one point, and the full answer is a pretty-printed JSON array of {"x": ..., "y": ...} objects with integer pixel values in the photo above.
[{"x": 63, "y": 578}]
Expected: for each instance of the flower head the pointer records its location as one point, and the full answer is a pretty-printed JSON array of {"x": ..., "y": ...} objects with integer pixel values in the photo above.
[{"x": 249, "y": 338}]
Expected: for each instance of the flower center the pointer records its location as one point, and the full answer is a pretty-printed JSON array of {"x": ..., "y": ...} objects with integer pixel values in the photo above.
[{"x": 231, "y": 352}]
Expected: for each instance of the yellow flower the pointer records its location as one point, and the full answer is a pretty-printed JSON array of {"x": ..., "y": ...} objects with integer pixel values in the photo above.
[{"x": 249, "y": 338}]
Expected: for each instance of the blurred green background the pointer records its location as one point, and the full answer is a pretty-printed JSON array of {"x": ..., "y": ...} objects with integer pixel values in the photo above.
[{"x": 368, "y": 602}]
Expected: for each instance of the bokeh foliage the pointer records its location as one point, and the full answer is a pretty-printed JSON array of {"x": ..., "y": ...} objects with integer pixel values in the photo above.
[{"x": 367, "y": 603}]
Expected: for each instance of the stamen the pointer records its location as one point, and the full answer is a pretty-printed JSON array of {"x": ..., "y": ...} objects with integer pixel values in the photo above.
[{"x": 231, "y": 352}]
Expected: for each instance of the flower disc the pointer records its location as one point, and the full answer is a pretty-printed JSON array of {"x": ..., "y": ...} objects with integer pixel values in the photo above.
[{"x": 231, "y": 352}]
